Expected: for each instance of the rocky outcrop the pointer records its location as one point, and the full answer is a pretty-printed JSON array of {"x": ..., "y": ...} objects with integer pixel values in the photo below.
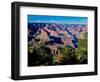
[{"x": 55, "y": 35}]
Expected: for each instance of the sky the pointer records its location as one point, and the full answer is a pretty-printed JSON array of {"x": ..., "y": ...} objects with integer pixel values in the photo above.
[{"x": 57, "y": 19}]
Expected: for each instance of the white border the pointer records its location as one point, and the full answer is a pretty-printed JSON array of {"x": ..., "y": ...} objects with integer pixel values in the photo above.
[{"x": 25, "y": 70}]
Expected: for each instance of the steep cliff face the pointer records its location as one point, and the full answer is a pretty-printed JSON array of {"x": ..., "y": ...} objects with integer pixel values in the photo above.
[{"x": 57, "y": 33}]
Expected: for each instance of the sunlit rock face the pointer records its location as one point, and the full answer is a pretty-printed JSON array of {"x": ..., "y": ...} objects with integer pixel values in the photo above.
[{"x": 58, "y": 34}]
